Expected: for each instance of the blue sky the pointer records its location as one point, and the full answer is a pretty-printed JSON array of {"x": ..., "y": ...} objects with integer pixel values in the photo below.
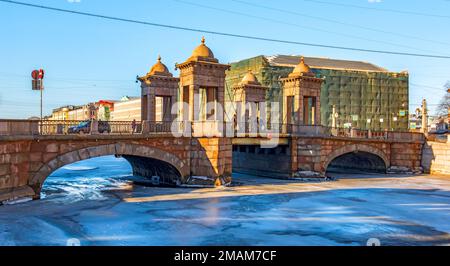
[{"x": 87, "y": 59}]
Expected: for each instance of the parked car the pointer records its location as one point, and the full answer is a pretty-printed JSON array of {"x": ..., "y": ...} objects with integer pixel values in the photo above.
[
  {"x": 85, "y": 128},
  {"x": 104, "y": 127}
]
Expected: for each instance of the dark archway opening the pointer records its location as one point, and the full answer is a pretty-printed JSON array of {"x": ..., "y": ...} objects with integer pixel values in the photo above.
[
  {"x": 158, "y": 172},
  {"x": 357, "y": 162},
  {"x": 89, "y": 178},
  {"x": 258, "y": 161}
]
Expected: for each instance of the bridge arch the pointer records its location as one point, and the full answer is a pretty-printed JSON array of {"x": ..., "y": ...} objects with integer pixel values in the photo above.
[
  {"x": 365, "y": 151},
  {"x": 130, "y": 152}
]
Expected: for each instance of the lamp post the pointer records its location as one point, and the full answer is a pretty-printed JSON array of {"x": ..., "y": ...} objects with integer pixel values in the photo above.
[
  {"x": 334, "y": 116},
  {"x": 424, "y": 117},
  {"x": 395, "y": 119},
  {"x": 369, "y": 129}
]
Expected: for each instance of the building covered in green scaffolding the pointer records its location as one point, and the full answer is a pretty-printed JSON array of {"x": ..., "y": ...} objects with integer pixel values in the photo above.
[{"x": 364, "y": 95}]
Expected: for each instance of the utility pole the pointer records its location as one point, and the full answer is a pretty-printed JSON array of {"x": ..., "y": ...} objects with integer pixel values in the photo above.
[{"x": 424, "y": 128}]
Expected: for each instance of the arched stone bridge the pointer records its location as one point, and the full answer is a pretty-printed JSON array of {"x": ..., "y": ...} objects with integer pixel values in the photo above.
[{"x": 26, "y": 161}]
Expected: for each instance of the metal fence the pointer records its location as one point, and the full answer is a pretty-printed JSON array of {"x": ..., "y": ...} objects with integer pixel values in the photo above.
[{"x": 188, "y": 128}]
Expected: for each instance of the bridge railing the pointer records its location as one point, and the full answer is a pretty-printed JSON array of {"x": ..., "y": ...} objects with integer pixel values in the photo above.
[
  {"x": 189, "y": 128},
  {"x": 373, "y": 134},
  {"x": 122, "y": 127},
  {"x": 57, "y": 127},
  {"x": 18, "y": 127},
  {"x": 256, "y": 129}
]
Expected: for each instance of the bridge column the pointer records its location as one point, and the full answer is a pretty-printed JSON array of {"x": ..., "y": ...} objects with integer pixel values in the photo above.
[
  {"x": 301, "y": 96},
  {"x": 159, "y": 93},
  {"x": 211, "y": 161},
  {"x": 202, "y": 82},
  {"x": 306, "y": 157},
  {"x": 250, "y": 96},
  {"x": 202, "y": 90}
]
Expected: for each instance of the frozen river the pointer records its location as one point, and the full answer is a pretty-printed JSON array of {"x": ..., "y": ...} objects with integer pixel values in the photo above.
[{"x": 94, "y": 202}]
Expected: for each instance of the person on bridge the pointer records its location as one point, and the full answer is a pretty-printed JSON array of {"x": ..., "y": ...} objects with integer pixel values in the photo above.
[{"x": 133, "y": 126}]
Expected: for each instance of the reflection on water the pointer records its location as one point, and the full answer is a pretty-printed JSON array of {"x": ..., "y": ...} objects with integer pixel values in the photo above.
[{"x": 87, "y": 179}]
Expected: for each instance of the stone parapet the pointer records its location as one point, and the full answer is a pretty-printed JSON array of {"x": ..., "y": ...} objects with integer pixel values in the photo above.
[{"x": 436, "y": 158}]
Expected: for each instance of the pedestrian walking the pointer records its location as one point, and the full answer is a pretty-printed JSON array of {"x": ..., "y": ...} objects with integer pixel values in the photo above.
[{"x": 133, "y": 126}]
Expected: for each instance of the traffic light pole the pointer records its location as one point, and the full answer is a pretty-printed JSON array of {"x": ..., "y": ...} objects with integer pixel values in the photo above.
[
  {"x": 38, "y": 84},
  {"x": 42, "y": 88}
]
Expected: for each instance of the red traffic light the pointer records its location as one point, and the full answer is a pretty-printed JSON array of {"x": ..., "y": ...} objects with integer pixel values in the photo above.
[
  {"x": 35, "y": 74},
  {"x": 38, "y": 74}
]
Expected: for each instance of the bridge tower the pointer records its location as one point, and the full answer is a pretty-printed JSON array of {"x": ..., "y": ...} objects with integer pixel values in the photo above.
[
  {"x": 202, "y": 98},
  {"x": 202, "y": 84},
  {"x": 159, "y": 93},
  {"x": 250, "y": 96},
  {"x": 301, "y": 96}
]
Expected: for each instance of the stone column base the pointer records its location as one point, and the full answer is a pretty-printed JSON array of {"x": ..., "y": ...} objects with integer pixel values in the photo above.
[
  {"x": 17, "y": 194},
  {"x": 309, "y": 176},
  {"x": 207, "y": 182},
  {"x": 404, "y": 170}
]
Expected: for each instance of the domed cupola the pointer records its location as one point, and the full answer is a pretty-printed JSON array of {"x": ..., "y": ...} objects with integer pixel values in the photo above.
[
  {"x": 250, "y": 79},
  {"x": 203, "y": 53},
  {"x": 159, "y": 69},
  {"x": 302, "y": 69}
]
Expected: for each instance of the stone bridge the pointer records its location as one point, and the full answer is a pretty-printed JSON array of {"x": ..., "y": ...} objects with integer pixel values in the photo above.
[
  {"x": 31, "y": 150},
  {"x": 26, "y": 160},
  {"x": 297, "y": 155}
]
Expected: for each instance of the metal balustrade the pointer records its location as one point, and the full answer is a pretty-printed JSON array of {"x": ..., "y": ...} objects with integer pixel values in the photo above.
[{"x": 196, "y": 129}]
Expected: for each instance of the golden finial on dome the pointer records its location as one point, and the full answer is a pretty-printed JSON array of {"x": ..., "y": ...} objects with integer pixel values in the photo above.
[
  {"x": 159, "y": 69},
  {"x": 250, "y": 78},
  {"x": 202, "y": 53},
  {"x": 302, "y": 69}
]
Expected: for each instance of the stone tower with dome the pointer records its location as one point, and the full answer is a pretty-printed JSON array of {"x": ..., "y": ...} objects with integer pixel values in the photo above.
[
  {"x": 301, "y": 96},
  {"x": 202, "y": 85},
  {"x": 249, "y": 98},
  {"x": 159, "y": 93}
]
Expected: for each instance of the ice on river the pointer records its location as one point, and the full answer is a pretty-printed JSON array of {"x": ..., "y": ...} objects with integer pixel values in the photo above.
[{"x": 100, "y": 206}]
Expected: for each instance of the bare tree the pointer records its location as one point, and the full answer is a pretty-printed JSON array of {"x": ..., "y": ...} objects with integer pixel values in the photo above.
[{"x": 444, "y": 104}]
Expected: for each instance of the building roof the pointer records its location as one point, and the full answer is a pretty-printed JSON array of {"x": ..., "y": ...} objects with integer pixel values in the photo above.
[
  {"x": 326, "y": 63},
  {"x": 68, "y": 107},
  {"x": 128, "y": 98}
]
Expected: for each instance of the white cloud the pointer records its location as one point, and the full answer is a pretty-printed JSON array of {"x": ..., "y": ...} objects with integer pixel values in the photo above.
[{"x": 374, "y": 1}]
